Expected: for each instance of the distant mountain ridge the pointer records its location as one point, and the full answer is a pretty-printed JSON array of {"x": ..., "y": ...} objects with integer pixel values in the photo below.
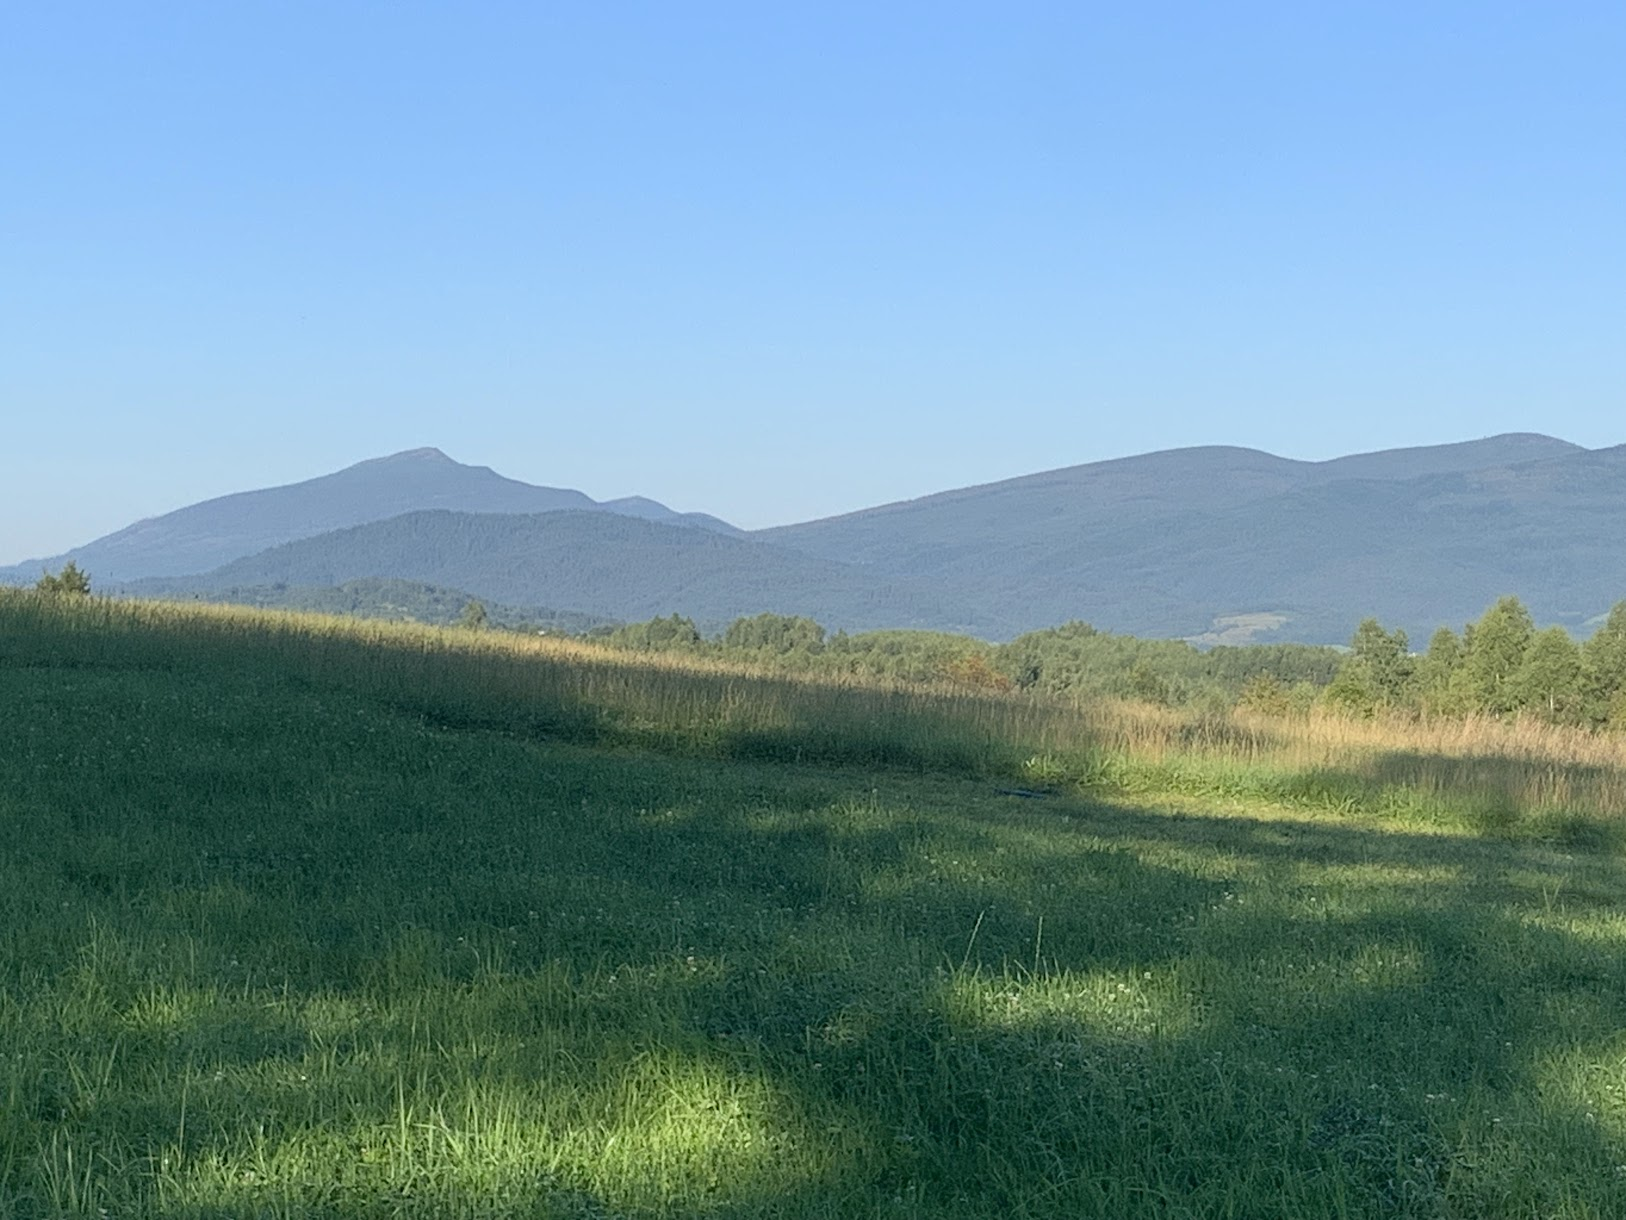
[
  {"x": 1112, "y": 493},
  {"x": 1165, "y": 543},
  {"x": 603, "y": 564},
  {"x": 206, "y": 535},
  {"x": 1211, "y": 542}
]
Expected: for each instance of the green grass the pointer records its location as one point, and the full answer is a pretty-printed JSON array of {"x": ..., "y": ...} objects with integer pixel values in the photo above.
[{"x": 285, "y": 932}]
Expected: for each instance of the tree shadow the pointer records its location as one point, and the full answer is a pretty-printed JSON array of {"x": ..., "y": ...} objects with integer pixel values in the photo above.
[
  {"x": 1363, "y": 1077},
  {"x": 943, "y": 1002}
]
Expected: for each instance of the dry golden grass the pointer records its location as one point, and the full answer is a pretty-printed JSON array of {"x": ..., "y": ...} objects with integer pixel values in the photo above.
[
  {"x": 1494, "y": 772},
  {"x": 1326, "y": 737}
]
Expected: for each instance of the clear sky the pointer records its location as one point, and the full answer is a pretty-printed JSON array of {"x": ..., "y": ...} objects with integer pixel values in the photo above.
[{"x": 777, "y": 261}]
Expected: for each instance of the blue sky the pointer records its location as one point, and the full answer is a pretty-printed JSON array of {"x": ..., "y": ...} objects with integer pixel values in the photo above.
[{"x": 775, "y": 262}]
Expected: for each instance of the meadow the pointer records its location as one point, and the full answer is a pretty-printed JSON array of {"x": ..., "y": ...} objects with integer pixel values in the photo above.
[{"x": 301, "y": 917}]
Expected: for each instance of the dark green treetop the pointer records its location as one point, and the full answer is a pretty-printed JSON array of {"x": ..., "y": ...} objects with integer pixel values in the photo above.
[
  {"x": 1495, "y": 652},
  {"x": 1386, "y": 657},
  {"x": 775, "y": 633},
  {"x": 1603, "y": 669},
  {"x": 1548, "y": 683}
]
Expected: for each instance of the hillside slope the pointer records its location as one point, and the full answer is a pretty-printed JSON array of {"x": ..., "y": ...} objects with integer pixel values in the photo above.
[
  {"x": 1120, "y": 494},
  {"x": 597, "y": 563},
  {"x": 1417, "y": 553},
  {"x": 1165, "y": 543}
]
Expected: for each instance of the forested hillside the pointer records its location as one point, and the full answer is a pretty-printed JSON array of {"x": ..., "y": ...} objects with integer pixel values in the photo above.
[
  {"x": 1164, "y": 544},
  {"x": 1212, "y": 544},
  {"x": 594, "y": 563}
]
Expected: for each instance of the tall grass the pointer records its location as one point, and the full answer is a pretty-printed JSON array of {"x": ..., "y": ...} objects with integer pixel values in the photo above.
[
  {"x": 302, "y": 917},
  {"x": 558, "y": 688},
  {"x": 1500, "y": 775},
  {"x": 1496, "y": 775}
]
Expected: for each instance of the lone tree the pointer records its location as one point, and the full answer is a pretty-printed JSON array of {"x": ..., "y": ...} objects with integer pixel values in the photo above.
[
  {"x": 474, "y": 616},
  {"x": 69, "y": 581}
]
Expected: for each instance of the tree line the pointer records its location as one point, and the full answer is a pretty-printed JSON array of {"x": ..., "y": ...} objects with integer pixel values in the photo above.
[
  {"x": 1497, "y": 666},
  {"x": 1500, "y": 665},
  {"x": 1072, "y": 660}
]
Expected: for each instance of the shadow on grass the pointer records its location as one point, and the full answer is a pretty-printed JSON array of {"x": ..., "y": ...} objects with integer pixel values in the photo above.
[
  {"x": 1216, "y": 1016},
  {"x": 310, "y": 961}
]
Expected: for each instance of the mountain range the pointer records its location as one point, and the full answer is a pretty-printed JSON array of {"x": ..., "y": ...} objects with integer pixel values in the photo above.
[
  {"x": 1212, "y": 543},
  {"x": 204, "y": 536}
]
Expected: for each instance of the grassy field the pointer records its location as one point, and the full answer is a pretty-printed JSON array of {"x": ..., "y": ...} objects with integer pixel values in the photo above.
[{"x": 302, "y": 918}]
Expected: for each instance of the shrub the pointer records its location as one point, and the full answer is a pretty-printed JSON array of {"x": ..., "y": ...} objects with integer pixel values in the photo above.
[{"x": 70, "y": 582}]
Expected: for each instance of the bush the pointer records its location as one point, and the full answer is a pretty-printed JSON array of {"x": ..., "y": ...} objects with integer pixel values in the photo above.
[
  {"x": 1265, "y": 695},
  {"x": 69, "y": 582}
]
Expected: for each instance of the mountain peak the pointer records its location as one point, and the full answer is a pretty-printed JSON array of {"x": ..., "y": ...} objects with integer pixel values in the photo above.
[
  {"x": 426, "y": 454},
  {"x": 206, "y": 535}
]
